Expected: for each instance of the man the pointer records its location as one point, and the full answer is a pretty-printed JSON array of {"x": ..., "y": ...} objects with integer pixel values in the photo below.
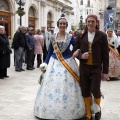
[
  {"x": 118, "y": 37},
  {"x": 19, "y": 46},
  {"x": 47, "y": 37},
  {"x": 96, "y": 69},
  {"x": 29, "y": 49}
]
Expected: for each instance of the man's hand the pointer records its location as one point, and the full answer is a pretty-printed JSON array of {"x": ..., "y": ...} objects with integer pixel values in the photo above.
[
  {"x": 85, "y": 55},
  {"x": 104, "y": 76}
]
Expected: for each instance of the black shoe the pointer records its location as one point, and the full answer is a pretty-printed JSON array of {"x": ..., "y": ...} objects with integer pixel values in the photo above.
[
  {"x": 1, "y": 77},
  {"x": 18, "y": 70},
  {"x": 98, "y": 115},
  {"x": 30, "y": 68},
  {"x": 6, "y": 76},
  {"x": 22, "y": 69},
  {"x": 33, "y": 67}
]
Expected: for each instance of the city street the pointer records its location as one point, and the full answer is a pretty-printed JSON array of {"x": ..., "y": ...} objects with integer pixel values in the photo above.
[{"x": 18, "y": 92}]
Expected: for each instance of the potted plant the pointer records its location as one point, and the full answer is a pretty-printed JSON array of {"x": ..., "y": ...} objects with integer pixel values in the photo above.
[{"x": 20, "y": 12}]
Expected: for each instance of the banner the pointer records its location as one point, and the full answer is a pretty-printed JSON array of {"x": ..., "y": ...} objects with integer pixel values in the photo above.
[{"x": 108, "y": 19}]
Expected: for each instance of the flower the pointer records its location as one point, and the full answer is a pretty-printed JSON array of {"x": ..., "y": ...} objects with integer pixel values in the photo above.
[
  {"x": 20, "y": 12},
  {"x": 43, "y": 67}
]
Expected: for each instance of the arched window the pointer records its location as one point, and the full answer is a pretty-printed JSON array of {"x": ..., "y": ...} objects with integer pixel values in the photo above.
[
  {"x": 49, "y": 16},
  {"x": 4, "y": 5},
  {"x": 31, "y": 12},
  {"x": 31, "y": 19},
  {"x": 81, "y": 2},
  {"x": 49, "y": 21}
]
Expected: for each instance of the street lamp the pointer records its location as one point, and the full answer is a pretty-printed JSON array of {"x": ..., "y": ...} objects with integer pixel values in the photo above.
[
  {"x": 20, "y": 10},
  {"x": 81, "y": 22},
  {"x": 63, "y": 12}
]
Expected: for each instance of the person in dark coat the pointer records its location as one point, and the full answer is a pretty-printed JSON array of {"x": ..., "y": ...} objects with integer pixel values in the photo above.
[
  {"x": 19, "y": 47},
  {"x": 5, "y": 51},
  {"x": 92, "y": 51},
  {"x": 30, "y": 49}
]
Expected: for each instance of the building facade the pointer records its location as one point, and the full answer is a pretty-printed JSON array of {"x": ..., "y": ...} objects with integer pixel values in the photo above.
[
  {"x": 82, "y": 8},
  {"x": 37, "y": 13}
]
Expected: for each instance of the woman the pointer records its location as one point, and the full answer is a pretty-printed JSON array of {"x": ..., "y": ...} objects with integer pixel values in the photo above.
[
  {"x": 114, "y": 59},
  {"x": 5, "y": 51},
  {"x": 39, "y": 44},
  {"x": 59, "y": 97}
]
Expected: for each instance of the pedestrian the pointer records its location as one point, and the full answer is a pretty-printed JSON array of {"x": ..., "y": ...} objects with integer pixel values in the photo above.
[
  {"x": 19, "y": 46},
  {"x": 59, "y": 96},
  {"x": 47, "y": 37},
  {"x": 5, "y": 52},
  {"x": 30, "y": 48},
  {"x": 114, "y": 58},
  {"x": 39, "y": 44},
  {"x": 92, "y": 51}
]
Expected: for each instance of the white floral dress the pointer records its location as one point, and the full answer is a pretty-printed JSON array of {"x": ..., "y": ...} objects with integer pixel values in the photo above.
[{"x": 59, "y": 97}]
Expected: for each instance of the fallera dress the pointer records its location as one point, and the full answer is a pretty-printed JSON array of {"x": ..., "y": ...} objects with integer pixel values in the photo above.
[
  {"x": 59, "y": 97},
  {"x": 114, "y": 62}
]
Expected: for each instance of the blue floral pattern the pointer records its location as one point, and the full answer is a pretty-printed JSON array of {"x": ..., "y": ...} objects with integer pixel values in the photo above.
[{"x": 59, "y": 97}]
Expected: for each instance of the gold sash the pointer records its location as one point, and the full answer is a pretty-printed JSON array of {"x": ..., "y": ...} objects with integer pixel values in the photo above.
[
  {"x": 64, "y": 63},
  {"x": 114, "y": 52}
]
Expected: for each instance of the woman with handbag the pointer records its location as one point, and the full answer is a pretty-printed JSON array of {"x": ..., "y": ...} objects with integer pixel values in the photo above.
[
  {"x": 39, "y": 44},
  {"x": 59, "y": 96},
  {"x": 5, "y": 51}
]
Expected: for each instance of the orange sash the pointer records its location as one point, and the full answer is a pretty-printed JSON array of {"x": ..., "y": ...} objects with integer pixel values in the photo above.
[
  {"x": 114, "y": 52},
  {"x": 64, "y": 63}
]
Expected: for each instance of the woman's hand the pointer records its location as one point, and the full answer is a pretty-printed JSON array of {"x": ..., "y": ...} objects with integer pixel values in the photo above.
[
  {"x": 75, "y": 54},
  {"x": 85, "y": 55}
]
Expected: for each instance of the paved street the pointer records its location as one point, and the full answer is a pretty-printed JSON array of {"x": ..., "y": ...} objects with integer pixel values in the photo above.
[{"x": 18, "y": 92}]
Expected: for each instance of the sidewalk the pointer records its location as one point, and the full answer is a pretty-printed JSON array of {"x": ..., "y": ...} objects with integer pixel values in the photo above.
[{"x": 18, "y": 93}]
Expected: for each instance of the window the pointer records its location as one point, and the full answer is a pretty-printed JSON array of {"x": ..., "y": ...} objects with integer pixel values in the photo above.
[
  {"x": 31, "y": 12},
  {"x": 4, "y": 5},
  {"x": 88, "y": 5},
  {"x": 49, "y": 16},
  {"x": 81, "y": 2}
]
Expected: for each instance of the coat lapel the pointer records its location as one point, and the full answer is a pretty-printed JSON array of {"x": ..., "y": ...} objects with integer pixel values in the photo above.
[
  {"x": 96, "y": 38},
  {"x": 85, "y": 39}
]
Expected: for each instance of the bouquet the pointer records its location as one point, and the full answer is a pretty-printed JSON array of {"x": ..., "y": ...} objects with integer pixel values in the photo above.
[{"x": 43, "y": 68}]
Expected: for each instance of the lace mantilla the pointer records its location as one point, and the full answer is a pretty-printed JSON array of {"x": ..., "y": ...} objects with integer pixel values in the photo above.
[{"x": 63, "y": 44}]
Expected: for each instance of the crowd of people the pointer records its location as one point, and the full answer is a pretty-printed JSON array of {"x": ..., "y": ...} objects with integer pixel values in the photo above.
[
  {"x": 66, "y": 89},
  {"x": 27, "y": 45}
]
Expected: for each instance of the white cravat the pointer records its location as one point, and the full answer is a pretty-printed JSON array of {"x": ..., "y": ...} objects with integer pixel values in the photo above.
[{"x": 91, "y": 36}]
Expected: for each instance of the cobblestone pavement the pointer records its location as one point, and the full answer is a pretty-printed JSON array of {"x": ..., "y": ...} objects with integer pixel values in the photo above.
[{"x": 18, "y": 92}]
